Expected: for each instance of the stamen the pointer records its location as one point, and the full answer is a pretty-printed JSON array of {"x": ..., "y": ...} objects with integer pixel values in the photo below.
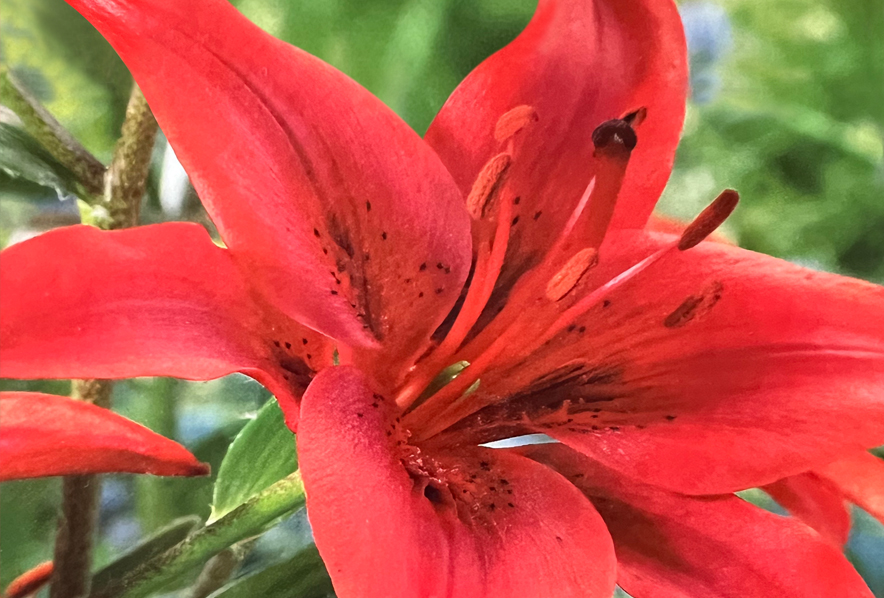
[
  {"x": 514, "y": 121},
  {"x": 586, "y": 227},
  {"x": 487, "y": 184},
  {"x": 709, "y": 219},
  {"x": 488, "y": 265},
  {"x": 567, "y": 278}
]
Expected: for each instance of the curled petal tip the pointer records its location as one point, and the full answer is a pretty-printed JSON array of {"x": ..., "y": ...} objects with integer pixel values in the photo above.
[
  {"x": 46, "y": 435},
  {"x": 30, "y": 582}
]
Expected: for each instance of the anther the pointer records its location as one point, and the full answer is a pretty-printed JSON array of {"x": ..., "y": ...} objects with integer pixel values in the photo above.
[
  {"x": 514, "y": 121},
  {"x": 709, "y": 219},
  {"x": 614, "y": 135},
  {"x": 567, "y": 278},
  {"x": 487, "y": 183}
]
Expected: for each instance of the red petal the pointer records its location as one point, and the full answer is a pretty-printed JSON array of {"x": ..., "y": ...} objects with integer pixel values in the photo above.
[
  {"x": 463, "y": 523},
  {"x": 46, "y": 435},
  {"x": 29, "y": 582},
  {"x": 158, "y": 300},
  {"x": 714, "y": 347},
  {"x": 815, "y": 501},
  {"x": 579, "y": 63},
  {"x": 310, "y": 179},
  {"x": 861, "y": 479},
  {"x": 673, "y": 546}
]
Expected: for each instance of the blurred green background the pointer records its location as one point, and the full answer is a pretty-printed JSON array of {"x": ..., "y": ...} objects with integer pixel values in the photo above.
[{"x": 787, "y": 107}]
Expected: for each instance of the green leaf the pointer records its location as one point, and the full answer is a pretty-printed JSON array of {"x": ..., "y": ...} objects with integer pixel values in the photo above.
[
  {"x": 159, "y": 542},
  {"x": 21, "y": 156},
  {"x": 261, "y": 454},
  {"x": 246, "y": 521},
  {"x": 302, "y": 576}
]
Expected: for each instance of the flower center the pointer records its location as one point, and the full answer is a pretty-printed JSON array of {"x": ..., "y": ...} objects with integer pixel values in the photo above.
[{"x": 545, "y": 300}]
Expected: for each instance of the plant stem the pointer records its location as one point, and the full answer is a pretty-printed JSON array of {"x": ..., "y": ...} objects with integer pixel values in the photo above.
[
  {"x": 126, "y": 177},
  {"x": 124, "y": 184},
  {"x": 79, "y": 512},
  {"x": 49, "y": 132},
  {"x": 249, "y": 519}
]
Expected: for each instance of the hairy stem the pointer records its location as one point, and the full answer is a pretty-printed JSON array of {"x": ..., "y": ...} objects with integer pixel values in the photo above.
[
  {"x": 49, "y": 132},
  {"x": 124, "y": 184},
  {"x": 249, "y": 519},
  {"x": 126, "y": 177}
]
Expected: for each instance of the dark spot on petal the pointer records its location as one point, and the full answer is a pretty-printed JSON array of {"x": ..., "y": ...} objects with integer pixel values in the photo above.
[
  {"x": 384, "y": 235},
  {"x": 334, "y": 292},
  {"x": 537, "y": 214},
  {"x": 316, "y": 232},
  {"x": 440, "y": 265},
  {"x": 439, "y": 291},
  {"x": 572, "y": 327},
  {"x": 304, "y": 341},
  {"x": 288, "y": 345},
  {"x": 360, "y": 415},
  {"x": 368, "y": 206},
  {"x": 504, "y": 482},
  {"x": 325, "y": 250},
  {"x": 276, "y": 343},
  {"x": 423, "y": 267},
  {"x": 582, "y": 329},
  {"x": 671, "y": 417},
  {"x": 485, "y": 465},
  {"x": 421, "y": 294},
  {"x": 492, "y": 507},
  {"x": 511, "y": 505},
  {"x": 606, "y": 303},
  {"x": 695, "y": 306},
  {"x": 517, "y": 200},
  {"x": 515, "y": 221}
]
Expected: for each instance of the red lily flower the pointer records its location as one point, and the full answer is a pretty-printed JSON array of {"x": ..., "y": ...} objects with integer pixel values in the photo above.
[
  {"x": 46, "y": 435},
  {"x": 676, "y": 371}
]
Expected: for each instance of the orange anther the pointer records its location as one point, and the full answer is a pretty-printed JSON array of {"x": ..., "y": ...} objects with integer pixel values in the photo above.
[
  {"x": 709, "y": 219},
  {"x": 514, "y": 121},
  {"x": 567, "y": 278},
  {"x": 487, "y": 183}
]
